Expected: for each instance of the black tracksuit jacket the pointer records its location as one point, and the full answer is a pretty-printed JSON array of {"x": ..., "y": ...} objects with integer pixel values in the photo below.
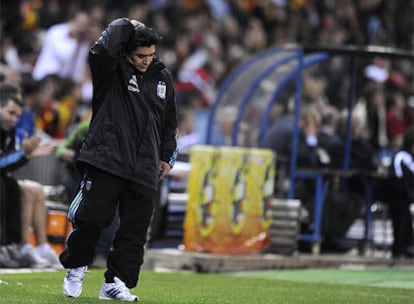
[{"x": 134, "y": 118}]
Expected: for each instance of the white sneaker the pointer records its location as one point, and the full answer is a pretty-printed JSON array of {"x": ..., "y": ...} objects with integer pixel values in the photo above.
[
  {"x": 49, "y": 255},
  {"x": 30, "y": 258},
  {"x": 116, "y": 291},
  {"x": 72, "y": 284}
]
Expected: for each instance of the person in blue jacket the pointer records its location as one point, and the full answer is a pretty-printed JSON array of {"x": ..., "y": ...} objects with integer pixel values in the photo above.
[{"x": 22, "y": 203}]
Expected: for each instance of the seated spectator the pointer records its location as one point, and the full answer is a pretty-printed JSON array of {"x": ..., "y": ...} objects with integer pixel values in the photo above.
[
  {"x": 363, "y": 156},
  {"x": 329, "y": 138},
  {"x": 67, "y": 153},
  {"x": 30, "y": 95},
  {"x": 58, "y": 112},
  {"x": 278, "y": 134},
  {"x": 396, "y": 120},
  {"x": 22, "y": 201},
  {"x": 317, "y": 140},
  {"x": 65, "y": 49},
  {"x": 187, "y": 137},
  {"x": 310, "y": 155},
  {"x": 27, "y": 92},
  {"x": 376, "y": 119}
]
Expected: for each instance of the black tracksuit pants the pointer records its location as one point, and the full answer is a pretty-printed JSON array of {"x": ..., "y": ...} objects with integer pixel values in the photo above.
[
  {"x": 10, "y": 211},
  {"x": 402, "y": 225},
  {"x": 395, "y": 193},
  {"x": 93, "y": 208}
]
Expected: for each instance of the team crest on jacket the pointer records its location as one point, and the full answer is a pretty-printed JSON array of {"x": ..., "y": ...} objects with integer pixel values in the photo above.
[{"x": 161, "y": 89}]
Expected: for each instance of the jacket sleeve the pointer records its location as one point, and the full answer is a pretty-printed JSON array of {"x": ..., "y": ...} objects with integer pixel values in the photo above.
[
  {"x": 74, "y": 139},
  {"x": 169, "y": 147},
  {"x": 110, "y": 46},
  {"x": 12, "y": 161}
]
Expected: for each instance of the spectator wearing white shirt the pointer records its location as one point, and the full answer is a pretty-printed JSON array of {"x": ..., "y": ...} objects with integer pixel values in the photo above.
[{"x": 65, "y": 49}]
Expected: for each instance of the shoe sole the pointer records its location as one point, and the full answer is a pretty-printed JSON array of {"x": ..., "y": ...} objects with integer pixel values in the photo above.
[
  {"x": 71, "y": 295},
  {"x": 105, "y": 297}
]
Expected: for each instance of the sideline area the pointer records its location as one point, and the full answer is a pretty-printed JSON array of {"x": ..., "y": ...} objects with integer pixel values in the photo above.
[
  {"x": 180, "y": 260},
  {"x": 396, "y": 277}
]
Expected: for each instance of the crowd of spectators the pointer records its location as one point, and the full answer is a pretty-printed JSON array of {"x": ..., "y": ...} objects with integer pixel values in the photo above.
[
  {"x": 44, "y": 44},
  {"x": 203, "y": 41}
]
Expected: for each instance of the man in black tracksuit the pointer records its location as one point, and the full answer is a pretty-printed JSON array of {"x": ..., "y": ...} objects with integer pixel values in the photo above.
[
  {"x": 397, "y": 190},
  {"x": 130, "y": 145}
]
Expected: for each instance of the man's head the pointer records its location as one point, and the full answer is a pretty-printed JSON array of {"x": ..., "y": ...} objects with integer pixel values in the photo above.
[
  {"x": 8, "y": 88},
  {"x": 142, "y": 48},
  {"x": 11, "y": 108},
  {"x": 80, "y": 24}
]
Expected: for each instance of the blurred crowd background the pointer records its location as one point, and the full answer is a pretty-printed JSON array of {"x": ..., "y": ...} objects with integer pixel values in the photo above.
[{"x": 203, "y": 41}]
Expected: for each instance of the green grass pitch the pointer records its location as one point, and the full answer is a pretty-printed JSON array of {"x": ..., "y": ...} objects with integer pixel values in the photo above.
[{"x": 375, "y": 286}]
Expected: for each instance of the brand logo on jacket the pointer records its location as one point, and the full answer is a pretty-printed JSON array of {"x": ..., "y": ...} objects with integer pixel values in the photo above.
[
  {"x": 161, "y": 89},
  {"x": 133, "y": 84}
]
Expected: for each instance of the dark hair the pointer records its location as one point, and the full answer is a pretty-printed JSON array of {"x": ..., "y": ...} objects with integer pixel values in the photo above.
[
  {"x": 7, "y": 88},
  {"x": 143, "y": 36},
  {"x": 5, "y": 98},
  {"x": 30, "y": 86}
]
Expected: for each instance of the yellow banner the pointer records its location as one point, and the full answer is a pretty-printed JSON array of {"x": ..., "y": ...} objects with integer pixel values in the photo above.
[{"x": 230, "y": 190}]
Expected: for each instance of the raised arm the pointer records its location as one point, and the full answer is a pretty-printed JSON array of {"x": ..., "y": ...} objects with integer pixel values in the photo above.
[{"x": 105, "y": 53}]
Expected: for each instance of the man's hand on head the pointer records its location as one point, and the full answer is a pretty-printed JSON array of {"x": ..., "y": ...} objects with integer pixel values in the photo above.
[{"x": 137, "y": 23}]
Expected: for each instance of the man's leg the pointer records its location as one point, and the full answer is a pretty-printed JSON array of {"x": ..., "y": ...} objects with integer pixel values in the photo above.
[
  {"x": 105, "y": 243},
  {"x": 3, "y": 216},
  {"x": 402, "y": 226},
  {"x": 11, "y": 209},
  {"x": 34, "y": 214},
  {"x": 135, "y": 211},
  {"x": 9, "y": 221},
  {"x": 91, "y": 210}
]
